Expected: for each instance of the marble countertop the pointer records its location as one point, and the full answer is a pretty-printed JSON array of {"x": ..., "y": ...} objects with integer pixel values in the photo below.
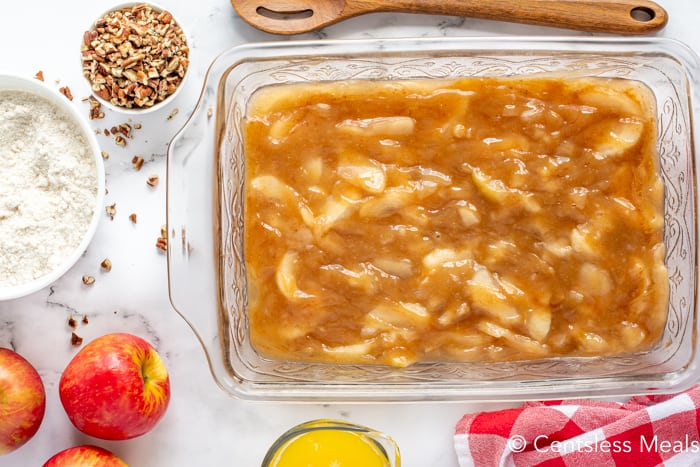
[{"x": 203, "y": 425}]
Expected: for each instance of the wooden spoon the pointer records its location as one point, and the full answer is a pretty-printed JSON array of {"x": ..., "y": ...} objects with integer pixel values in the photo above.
[{"x": 612, "y": 16}]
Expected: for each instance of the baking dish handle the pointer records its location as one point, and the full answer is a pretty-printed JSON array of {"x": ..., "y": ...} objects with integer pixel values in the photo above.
[{"x": 192, "y": 269}]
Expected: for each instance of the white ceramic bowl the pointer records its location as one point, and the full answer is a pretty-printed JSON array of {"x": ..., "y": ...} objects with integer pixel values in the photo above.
[
  {"x": 37, "y": 88},
  {"x": 138, "y": 110}
]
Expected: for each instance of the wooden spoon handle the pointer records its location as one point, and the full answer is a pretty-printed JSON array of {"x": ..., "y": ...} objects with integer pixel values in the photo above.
[{"x": 612, "y": 16}]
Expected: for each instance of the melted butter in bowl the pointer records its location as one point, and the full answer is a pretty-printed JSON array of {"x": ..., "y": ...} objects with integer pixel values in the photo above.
[{"x": 479, "y": 219}]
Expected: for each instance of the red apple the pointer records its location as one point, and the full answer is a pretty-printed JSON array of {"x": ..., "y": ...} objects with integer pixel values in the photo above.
[
  {"x": 116, "y": 387},
  {"x": 22, "y": 401},
  {"x": 85, "y": 456}
]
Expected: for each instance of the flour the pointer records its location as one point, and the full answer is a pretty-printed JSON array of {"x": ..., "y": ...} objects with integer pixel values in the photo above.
[{"x": 48, "y": 187}]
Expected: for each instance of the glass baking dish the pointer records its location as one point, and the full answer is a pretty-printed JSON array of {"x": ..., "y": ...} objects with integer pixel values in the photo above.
[{"x": 207, "y": 279}]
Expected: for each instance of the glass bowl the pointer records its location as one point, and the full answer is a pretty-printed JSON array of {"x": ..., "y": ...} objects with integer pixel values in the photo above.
[
  {"x": 207, "y": 279},
  {"x": 338, "y": 438}
]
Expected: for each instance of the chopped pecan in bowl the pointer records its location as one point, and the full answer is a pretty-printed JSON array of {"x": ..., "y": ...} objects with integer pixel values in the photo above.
[{"x": 135, "y": 56}]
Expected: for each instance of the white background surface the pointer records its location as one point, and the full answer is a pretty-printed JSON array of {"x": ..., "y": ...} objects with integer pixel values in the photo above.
[{"x": 203, "y": 426}]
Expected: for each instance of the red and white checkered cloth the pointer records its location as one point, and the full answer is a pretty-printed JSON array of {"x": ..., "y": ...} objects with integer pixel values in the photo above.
[{"x": 646, "y": 431}]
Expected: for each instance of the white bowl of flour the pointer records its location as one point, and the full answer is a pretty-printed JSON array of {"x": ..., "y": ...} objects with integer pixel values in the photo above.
[{"x": 52, "y": 185}]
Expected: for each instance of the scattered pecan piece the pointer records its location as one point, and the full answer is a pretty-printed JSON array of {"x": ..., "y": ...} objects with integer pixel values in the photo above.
[
  {"x": 124, "y": 129},
  {"x": 39, "y": 75},
  {"x": 152, "y": 180},
  {"x": 137, "y": 162},
  {"x": 111, "y": 210},
  {"x": 71, "y": 322},
  {"x": 88, "y": 280},
  {"x": 132, "y": 217},
  {"x": 75, "y": 339},
  {"x": 162, "y": 241},
  {"x": 106, "y": 264},
  {"x": 105, "y": 155},
  {"x": 95, "y": 111},
  {"x": 65, "y": 90}
]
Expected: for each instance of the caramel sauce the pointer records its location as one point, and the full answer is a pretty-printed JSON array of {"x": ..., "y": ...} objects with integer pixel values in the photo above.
[{"x": 480, "y": 219}]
